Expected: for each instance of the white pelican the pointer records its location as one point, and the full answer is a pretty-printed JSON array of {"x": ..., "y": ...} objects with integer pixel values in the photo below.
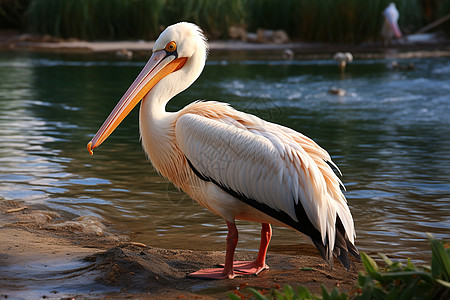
[
  {"x": 390, "y": 27},
  {"x": 232, "y": 163}
]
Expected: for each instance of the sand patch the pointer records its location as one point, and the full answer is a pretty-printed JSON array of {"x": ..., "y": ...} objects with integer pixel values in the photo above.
[{"x": 42, "y": 254}]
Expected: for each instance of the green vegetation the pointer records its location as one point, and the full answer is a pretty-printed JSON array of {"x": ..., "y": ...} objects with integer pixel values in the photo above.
[
  {"x": 306, "y": 20},
  {"x": 127, "y": 19},
  {"x": 11, "y": 13},
  {"x": 395, "y": 281},
  {"x": 444, "y": 10}
]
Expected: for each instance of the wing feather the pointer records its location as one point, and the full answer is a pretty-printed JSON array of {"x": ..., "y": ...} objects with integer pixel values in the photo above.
[
  {"x": 241, "y": 160},
  {"x": 271, "y": 164}
]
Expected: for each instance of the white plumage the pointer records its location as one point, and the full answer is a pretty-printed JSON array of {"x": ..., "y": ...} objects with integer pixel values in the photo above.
[
  {"x": 390, "y": 27},
  {"x": 232, "y": 163}
]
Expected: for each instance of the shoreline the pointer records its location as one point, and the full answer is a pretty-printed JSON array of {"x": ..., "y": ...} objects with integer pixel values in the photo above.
[
  {"x": 44, "y": 255},
  {"x": 413, "y": 46}
]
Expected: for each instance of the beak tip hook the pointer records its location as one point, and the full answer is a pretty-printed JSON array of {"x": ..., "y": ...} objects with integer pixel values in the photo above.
[{"x": 89, "y": 147}]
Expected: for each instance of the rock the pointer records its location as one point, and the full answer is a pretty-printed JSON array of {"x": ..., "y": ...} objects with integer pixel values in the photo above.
[
  {"x": 124, "y": 53},
  {"x": 238, "y": 33},
  {"x": 272, "y": 36},
  {"x": 336, "y": 91}
]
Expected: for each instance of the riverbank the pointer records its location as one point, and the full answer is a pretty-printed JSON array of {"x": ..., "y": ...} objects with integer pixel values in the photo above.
[
  {"x": 43, "y": 255},
  {"x": 413, "y": 46}
]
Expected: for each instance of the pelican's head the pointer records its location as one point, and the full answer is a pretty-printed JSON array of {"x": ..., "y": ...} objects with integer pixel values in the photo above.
[
  {"x": 178, "y": 58},
  {"x": 188, "y": 37}
]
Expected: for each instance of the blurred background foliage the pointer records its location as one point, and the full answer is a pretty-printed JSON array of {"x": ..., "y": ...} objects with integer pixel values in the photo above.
[{"x": 346, "y": 21}]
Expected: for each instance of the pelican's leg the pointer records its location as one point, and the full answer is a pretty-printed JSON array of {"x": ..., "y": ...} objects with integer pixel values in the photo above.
[
  {"x": 227, "y": 271},
  {"x": 259, "y": 264}
]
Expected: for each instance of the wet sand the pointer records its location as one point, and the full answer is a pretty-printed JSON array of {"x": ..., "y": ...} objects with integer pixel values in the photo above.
[{"x": 42, "y": 255}]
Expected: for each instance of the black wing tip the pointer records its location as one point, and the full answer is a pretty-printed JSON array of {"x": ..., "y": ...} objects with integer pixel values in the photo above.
[
  {"x": 341, "y": 253},
  {"x": 353, "y": 251},
  {"x": 342, "y": 247}
]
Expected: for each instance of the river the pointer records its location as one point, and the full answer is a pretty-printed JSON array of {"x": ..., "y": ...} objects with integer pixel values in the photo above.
[{"x": 389, "y": 135}]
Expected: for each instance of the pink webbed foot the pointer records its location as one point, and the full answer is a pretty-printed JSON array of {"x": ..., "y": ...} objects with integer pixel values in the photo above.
[
  {"x": 216, "y": 273},
  {"x": 249, "y": 267}
]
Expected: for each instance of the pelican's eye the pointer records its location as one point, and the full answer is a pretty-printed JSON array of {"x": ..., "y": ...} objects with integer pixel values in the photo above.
[{"x": 172, "y": 46}]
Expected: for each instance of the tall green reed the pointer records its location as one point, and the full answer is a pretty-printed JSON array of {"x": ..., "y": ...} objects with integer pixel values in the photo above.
[
  {"x": 11, "y": 12},
  {"x": 444, "y": 10},
  {"x": 349, "y": 21}
]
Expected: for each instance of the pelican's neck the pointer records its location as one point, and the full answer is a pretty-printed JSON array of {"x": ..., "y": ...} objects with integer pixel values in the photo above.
[
  {"x": 157, "y": 126},
  {"x": 153, "y": 107},
  {"x": 154, "y": 120}
]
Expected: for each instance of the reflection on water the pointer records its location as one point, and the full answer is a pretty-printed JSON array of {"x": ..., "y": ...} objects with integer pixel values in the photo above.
[{"x": 389, "y": 135}]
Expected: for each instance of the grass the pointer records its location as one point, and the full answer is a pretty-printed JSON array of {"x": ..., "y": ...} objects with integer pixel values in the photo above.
[
  {"x": 336, "y": 21},
  {"x": 393, "y": 281}
]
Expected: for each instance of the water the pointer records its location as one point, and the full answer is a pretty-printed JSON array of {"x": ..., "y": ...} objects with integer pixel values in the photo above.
[{"x": 389, "y": 135}]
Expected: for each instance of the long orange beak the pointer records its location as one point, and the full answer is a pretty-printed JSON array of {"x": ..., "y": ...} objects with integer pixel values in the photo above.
[{"x": 158, "y": 66}]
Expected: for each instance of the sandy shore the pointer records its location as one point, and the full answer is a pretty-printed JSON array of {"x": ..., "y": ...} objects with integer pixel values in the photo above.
[
  {"x": 423, "y": 45},
  {"x": 42, "y": 255}
]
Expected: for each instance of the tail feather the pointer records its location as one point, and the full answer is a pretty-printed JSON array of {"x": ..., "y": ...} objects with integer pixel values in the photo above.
[
  {"x": 323, "y": 250},
  {"x": 342, "y": 247},
  {"x": 348, "y": 244}
]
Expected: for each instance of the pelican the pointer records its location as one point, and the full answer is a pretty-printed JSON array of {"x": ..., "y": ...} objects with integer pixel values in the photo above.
[
  {"x": 237, "y": 165},
  {"x": 390, "y": 27}
]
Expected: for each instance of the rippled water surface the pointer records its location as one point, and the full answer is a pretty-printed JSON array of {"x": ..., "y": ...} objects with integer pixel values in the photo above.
[{"x": 389, "y": 135}]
